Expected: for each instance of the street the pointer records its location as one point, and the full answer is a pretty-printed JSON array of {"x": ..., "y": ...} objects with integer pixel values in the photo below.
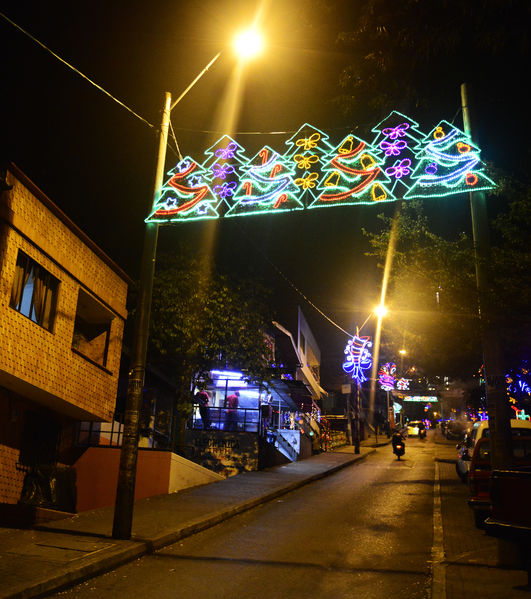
[{"x": 365, "y": 531}]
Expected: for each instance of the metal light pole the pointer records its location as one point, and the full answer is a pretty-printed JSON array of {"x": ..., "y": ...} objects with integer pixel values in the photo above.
[
  {"x": 499, "y": 425},
  {"x": 125, "y": 490}
]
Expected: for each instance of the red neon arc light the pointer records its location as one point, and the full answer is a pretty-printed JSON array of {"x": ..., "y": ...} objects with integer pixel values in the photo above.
[
  {"x": 280, "y": 200},
  {"x": 200, "y": 193},
  {"x": 370, "y": 176}
]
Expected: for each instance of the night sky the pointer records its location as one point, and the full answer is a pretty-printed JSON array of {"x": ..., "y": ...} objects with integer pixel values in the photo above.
[{"x": 96, "y": 160}]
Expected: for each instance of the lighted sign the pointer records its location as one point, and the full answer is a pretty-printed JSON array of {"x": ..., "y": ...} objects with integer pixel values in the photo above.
[
  {"x": 421, "y": 398},
  {"x": 402, "y": 162},
  {"x": 358, "y": 357}
]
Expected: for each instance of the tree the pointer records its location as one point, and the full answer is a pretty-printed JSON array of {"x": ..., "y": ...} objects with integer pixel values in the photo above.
[
  {"x": 432, "y": 292},
  {"x": 407, "y": 55},
  {"x": 201, "y": 319}
]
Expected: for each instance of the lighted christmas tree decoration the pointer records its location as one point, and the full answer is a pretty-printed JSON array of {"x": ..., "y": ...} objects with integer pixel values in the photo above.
[
  {"x": 309, "y": 150},
  {"x": 397, "y": 136},
  {"x": 358, "y": 357},
  {"x": 387, "y": 376},
  {"x": 185, "y": 196},
  {"x": 353, "y": 176},
  {"x": 266, "y": 186},
  {"x": 447, "y": 163},
  {"x": 223, "y": 167}
]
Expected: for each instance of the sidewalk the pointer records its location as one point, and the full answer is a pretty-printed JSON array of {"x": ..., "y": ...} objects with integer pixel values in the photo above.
[{"x": 64, "y": 552}]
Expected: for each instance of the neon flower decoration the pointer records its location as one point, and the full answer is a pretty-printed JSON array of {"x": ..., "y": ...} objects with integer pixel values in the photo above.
[
  {"x": 358, "y": 357},
  {"x": 401, "y": 162},
  {"x": 399, "y": 170},
  {"x": 309, "y": 149},
  {"x": 386, "y": 376}
]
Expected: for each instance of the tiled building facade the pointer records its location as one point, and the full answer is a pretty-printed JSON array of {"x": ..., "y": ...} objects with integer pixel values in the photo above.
[{"x": 62, "y": 314}]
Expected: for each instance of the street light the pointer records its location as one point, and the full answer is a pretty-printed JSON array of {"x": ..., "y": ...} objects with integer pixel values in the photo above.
[{"x": 246, "y": 47}]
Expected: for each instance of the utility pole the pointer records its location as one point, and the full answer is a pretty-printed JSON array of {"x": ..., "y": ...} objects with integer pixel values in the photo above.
[
  {"x": 495, "y": 386},
  {"x": 125, "y": 490}
]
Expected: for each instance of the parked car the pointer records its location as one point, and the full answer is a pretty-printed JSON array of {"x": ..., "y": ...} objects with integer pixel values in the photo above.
[
  {"x": 480, "y": 471},
  {"x": 456, "y": 429},
  {"x": 479, "y": 430}
]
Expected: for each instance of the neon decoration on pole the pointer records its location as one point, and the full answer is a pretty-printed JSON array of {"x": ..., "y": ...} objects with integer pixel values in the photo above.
[
  {"x": 358, "y": 357},
  {"x": 401, "y": 163},
  {"x": 387, "y": 376}
]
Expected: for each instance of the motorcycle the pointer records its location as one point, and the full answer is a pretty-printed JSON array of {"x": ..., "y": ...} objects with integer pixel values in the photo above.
[{"x": 399, "y": 447}]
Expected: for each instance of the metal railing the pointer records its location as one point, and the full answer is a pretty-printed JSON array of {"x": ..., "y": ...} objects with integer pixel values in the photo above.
[{"x": 223, "y": 419}]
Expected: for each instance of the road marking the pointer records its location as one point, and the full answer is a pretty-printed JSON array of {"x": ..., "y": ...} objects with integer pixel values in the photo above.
[{"x": 438, "y": 566}]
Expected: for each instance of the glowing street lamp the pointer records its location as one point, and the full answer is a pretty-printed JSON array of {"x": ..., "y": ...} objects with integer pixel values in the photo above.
[
  {"x": 248, "y": 44},
  {"x": 246, "y": 47}
]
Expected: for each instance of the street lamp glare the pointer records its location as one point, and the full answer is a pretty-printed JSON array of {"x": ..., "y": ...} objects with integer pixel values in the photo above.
[
  {"x": 248, "y": 44},
  {"x": 380, "y": 311}
]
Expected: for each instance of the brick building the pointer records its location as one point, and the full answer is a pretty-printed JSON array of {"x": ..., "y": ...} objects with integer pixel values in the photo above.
[{"x": 62, "y": 314}]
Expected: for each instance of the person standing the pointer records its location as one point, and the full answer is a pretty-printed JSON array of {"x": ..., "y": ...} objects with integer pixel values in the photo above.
[
  {"x": 203, "y": 399},
  {"x": 231, "y": 413}
]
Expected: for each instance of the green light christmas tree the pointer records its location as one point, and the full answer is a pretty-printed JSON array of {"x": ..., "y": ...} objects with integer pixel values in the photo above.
[
  {"x": 448, "y": 163},
  {"x": 185, "y": 196},
  {"x": 266, "y": 186},
  {"x": 353, "y": 176}
]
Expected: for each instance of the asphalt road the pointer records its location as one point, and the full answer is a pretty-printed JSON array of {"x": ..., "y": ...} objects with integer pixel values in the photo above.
[{"x": 365, "y": 532}]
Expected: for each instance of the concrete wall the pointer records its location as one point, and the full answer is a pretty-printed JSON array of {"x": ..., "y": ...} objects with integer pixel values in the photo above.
[{"x": 158, "y": 473}]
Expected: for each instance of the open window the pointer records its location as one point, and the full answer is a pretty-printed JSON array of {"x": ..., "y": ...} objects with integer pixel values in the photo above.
[
  {"x": 92, "y": 328},
  {"x": 34, "y": 291}
]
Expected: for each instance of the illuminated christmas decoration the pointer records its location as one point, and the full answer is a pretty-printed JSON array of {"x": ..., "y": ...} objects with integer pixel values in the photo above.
[
  {"x": 266, "y": 186},
  {"x": 185, "y": 196},
  {"x": 397, "y": 136},
  {"x": 353, "y": 176},
  {"x": 358, "y": 357},
  {"x": 309, "y": 150},
  {"x": 223, "y": 167},
  {"x": 447, "y": 163},
  {"x": 401, "y": 163},
  {"x": 403, "y": 384},
  {"x": 386, "y": 376}
]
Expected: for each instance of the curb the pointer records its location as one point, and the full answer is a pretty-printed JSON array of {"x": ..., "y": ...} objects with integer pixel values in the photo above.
[{"x": 112, "y": 558}]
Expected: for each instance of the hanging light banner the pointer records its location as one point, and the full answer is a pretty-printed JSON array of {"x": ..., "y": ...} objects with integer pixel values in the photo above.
[
  {"x": 399, "y": 163},
  {"x": 420, "y": 398}
]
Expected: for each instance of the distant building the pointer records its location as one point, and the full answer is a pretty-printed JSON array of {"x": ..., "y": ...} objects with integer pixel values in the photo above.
[{"x": 62, "y": 315}]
